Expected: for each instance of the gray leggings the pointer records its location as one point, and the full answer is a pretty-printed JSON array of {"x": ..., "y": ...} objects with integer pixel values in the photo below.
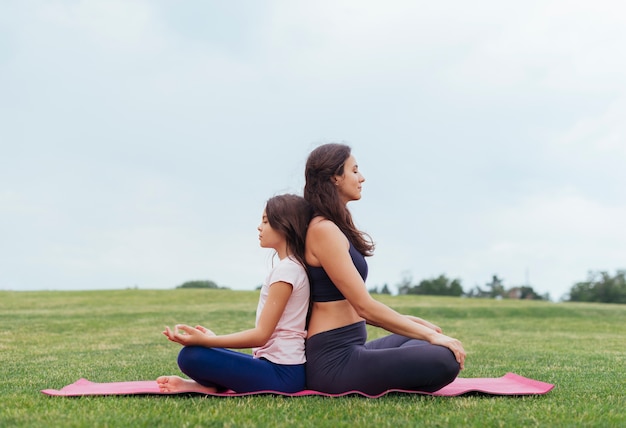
[{"x": 340, "y": 360}]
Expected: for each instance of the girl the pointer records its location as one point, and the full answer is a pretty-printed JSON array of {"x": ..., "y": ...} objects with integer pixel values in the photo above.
[
  {"x": 277, "y": 362},
  {"x": 417, "y": 357}
]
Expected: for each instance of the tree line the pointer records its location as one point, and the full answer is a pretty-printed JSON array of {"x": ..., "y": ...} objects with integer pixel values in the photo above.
[
  {"x": 600, "y": 287},
  {"x": 444, "y": 286}
]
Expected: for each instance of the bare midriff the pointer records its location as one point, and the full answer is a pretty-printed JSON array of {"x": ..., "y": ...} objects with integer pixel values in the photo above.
[{"x": 330, "y": 315}]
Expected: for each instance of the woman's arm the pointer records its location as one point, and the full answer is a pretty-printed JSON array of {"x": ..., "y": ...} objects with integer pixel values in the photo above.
[
  {"x": 330, "y": 247},
  {"x": 425, "y": 323},
  {"x": 275, "y": 304}
]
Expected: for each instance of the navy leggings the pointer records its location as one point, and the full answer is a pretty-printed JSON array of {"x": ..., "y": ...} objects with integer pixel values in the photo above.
[
  {"x": 340, "y": 360},
  {"x": 230, "y": 370}
]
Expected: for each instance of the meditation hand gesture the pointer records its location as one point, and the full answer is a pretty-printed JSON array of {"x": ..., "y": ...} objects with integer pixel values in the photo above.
[
  {"x": 205, "y": 330},
  {"x": 187, "y": 335}
]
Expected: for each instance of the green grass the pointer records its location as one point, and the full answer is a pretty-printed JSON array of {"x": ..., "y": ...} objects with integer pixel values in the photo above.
[{"x": 50, "y": 339}]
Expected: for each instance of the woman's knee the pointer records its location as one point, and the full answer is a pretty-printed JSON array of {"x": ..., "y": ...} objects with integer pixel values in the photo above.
[{"x": 449, "y": 367}]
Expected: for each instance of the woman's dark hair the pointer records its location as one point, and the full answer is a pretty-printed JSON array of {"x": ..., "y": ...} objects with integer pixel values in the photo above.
[
  {"x": 325, "y": 162},
  {"x": 290, "y": 215}
]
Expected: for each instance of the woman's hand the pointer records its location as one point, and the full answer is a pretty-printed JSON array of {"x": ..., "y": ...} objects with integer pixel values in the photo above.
[
  {"x": 452, "y": 344},
  {"x": 187, "y": 335}
]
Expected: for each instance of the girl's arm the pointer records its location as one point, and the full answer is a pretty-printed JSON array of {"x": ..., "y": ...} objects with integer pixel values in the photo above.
[
  {"x": 329, "y": 246},
  {"x": 275, "y": 304}
]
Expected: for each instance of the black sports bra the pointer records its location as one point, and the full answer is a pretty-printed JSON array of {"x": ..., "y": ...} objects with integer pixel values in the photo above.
[{"x": 323, "y": 289}]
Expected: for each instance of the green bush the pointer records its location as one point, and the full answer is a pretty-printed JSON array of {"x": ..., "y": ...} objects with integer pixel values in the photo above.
[{"x": 200, "y": 284}]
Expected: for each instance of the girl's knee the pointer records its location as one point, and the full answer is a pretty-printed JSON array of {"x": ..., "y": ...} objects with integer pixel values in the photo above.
[{"x": 189, "y": 357}]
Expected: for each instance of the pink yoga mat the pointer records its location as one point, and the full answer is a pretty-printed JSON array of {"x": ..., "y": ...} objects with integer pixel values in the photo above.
[{"x": 509, "y": 384}]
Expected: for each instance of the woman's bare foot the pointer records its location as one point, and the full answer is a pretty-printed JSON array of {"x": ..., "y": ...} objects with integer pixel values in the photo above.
[{"x": 176, "y": 384}]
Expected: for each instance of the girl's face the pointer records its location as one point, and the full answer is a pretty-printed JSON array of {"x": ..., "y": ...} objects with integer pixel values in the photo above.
[
  {"x": 350, "y": 182},
  {"x": 269, "y": 237}
]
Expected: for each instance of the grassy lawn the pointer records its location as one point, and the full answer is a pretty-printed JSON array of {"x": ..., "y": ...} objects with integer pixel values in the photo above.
[{"x": 50, "y": 339}]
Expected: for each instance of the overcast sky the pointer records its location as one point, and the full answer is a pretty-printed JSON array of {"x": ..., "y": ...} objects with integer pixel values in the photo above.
[{"x": 141, "y": 139}]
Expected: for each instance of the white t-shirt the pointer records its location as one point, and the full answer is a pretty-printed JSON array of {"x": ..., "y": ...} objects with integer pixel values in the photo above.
[{"x": 286, "y": 345}]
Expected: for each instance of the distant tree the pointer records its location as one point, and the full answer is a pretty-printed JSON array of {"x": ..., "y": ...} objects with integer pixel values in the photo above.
[
  {"x": 405, "y": 283},
  {"x": 496, "y": 287},
  {"x": 440, "y": 286},
  {"x": 600, "y": 287},
  {"x": 199, "y": 284},
  {"x": 383, "y": 290},
  {"x": 525, "y": 292},
  {"x": 477, "y": 292}
]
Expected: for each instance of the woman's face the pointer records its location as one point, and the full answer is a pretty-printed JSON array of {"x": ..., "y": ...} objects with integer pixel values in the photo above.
[{"x": 350, "y": 182}]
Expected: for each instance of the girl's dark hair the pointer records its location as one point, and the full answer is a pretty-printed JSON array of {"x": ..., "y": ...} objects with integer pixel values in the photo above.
[
  {"x": 290, "y": 215},
  {"x": 325, "y": 162}
]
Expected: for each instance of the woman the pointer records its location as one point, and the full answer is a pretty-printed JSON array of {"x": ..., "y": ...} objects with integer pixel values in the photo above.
[
  {"x": 417, "y": 356},
  {"x": 277, "y": 363}
]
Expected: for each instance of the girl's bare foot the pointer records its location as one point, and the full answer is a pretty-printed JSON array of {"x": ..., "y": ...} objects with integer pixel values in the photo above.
[{"x": 175, "y": 384}]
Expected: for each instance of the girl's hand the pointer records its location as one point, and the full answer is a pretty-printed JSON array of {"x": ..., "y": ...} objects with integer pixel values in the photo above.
[
  {"x": 205, "y": 330},
  {"x": 187, "y": 335},
  {"x": 452, "y": 344}
]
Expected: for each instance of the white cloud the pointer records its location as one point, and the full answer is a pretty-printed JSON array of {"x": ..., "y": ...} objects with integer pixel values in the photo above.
[
  {"x": 556, "y": 45},
  {"x": 491, "y": 135},
  {"x": 557, "y": 236},
  {"x": 113, "y": 26},
  {"x": 603, "y": 134}
]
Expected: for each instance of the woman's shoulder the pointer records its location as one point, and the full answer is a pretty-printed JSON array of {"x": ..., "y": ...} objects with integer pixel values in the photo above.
[
  {"x": 323, "y": 230},
  {"x": 322, "y": 225}
]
